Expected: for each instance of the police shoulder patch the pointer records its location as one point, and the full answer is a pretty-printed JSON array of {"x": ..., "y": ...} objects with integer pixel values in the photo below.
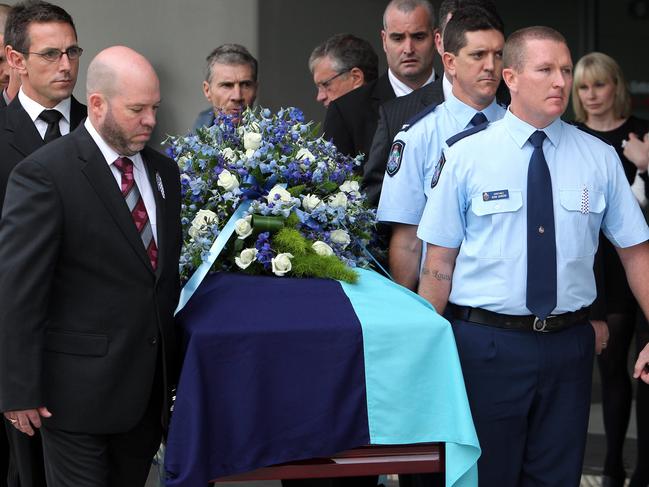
[
  {"x": 466, "y": 133},
  {"x": 394, "y": 160},
  {"x": 438, "y": 171}
]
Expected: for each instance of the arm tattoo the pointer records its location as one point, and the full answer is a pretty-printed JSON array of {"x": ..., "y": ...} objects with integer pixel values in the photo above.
[{"x": 436, "y": 274}]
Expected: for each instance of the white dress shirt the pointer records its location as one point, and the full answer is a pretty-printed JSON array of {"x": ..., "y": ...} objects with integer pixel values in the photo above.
[
  {"x": 400, "y": 88},
  {"x": 34, "y": 109},
  {"x": 139, "y": 174}
]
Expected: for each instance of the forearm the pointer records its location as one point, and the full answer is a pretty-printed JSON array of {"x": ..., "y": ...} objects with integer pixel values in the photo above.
[
  {"x": 405, "y": 255},
  {"x": 436, "y": 276}
]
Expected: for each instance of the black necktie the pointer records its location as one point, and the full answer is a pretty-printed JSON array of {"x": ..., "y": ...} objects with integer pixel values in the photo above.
[
  {"x": 478, "y": 119},
  {"x": 541, "y": 244},
  {"x": 51, "y": 117}
]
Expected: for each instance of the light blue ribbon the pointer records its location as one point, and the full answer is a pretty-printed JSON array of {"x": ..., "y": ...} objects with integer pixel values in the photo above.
[{"x": 217, "y": 247}]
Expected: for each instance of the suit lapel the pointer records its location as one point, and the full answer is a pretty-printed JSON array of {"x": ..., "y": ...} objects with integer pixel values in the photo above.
[
  {"x": 78, "y": 112},
  {"x": 432, "y": 93},
  {"x": 24, "y": 136},
  {"x": 155, "y": 179},
  {"x": 103, "y": 182}
]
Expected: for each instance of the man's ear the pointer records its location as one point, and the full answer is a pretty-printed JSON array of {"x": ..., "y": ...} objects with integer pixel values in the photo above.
[
  {"x": 449, "y": 63},
  {"x": 16, "y": 60},
  {"x": 510, "y": 78},
  {"x": 96, "y": 105},
  {"x": 357, "y": 77},
  {"x": 206, "y": 90}
]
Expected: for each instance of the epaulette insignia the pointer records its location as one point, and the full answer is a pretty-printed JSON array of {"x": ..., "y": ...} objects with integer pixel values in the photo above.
[
  {"x": 416, "y": 118},
  {"x": 466, "y": 133},
  {"x": 394, "y": 160}
]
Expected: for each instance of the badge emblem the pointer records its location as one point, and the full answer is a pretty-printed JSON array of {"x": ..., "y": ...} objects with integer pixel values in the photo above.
[
  {"x": 438, "y": 171},
  {"x": 161, "y": 187},
  {"x": 394, "y": 161}
]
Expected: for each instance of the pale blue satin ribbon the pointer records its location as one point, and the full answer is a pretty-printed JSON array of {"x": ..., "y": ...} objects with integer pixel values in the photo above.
[{"x": 217, "y": 247}]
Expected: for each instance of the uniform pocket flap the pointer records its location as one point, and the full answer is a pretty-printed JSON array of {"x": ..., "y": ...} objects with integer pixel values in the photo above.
[
  {"x": 76, "y": 343},
  {"x": 481, "y": 207},
  {"x": 578, "y": 200}
]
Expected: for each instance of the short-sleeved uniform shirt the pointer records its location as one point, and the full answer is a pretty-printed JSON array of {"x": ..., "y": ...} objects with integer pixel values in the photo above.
[
  {"x": 483, "y": 192},
  {"x": 403, "y": 195}
]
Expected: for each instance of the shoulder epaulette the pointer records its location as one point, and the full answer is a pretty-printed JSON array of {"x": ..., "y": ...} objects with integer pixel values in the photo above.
[
  {"x": 589, "y": 131},
  {"x": 466, "y": 133},
  {"x": 416, "y": 118}
]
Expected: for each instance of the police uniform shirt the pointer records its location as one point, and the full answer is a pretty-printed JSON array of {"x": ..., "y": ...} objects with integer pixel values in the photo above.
[
  {"x": 414, "y": 155},
  {"x": 479, "y": 205}
]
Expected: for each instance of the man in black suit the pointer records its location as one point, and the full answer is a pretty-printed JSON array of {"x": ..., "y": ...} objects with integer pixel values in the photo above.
[
  {"x": 395, "y": 113},
  {"x": 409, "y": 47},
  {"x": 89, "y": 246},
  {"x": 46, "y": 87}
]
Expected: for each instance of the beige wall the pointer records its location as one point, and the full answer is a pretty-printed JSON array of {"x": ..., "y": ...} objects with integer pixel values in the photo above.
[{"x": 175, "y": 36}]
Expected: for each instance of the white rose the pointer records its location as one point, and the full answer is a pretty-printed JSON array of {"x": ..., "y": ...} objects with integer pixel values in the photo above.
[
  {"x": 243, "y": 227},
  {"x": 338, "y": 200},
  {"x": 202, "y": 218},
  {"x": 310, "y": 202},
  {"x": 227, "y": 180},
  {"x": 340, "y": 237},
  {"x": 250, "y": 153},
  {"x": 281, "y": 264},
  {"x": 228, "y": 154},
  {"x": 351, "y": 187},
  {"x": 251, "y": 141},
  {"x": 321, "y": 248},
  {"x": 305, "y": 154},
  {"x": 284, "y": 195},
  {"x": 247, "y": 257}
]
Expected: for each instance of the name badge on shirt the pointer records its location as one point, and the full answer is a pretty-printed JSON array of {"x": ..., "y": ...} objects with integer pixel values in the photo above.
[{"x": 502, "y": 194}]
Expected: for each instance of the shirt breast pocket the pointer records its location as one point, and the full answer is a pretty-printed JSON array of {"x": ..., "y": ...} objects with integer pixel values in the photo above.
[
  {"x": 495, "y": 232},
  {"x": 579, "y": 220}
]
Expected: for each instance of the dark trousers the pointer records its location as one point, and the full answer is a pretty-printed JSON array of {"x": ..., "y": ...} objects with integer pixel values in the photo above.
[
  {"x": 27, "y": 468},
  {"x": 75, "y": 459},
  {"x": 529, "y": 394}
]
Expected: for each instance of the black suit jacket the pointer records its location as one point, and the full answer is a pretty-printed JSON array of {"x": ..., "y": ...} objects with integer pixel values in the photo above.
[
  {"x": 392, "y": 115},
  {"x": 19, "y": 136},
  {"x": 351, "y": 119},
  {"x": 84, "y": 318}
]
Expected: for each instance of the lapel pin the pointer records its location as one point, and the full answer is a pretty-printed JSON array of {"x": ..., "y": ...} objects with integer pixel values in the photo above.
[{"x": 161, "y": 188}]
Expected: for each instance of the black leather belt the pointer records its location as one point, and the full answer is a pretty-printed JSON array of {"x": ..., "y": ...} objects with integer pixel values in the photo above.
[{"x": 515, "y": 322}]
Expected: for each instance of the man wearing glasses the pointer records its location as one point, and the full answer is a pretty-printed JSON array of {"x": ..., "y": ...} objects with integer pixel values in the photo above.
[
  {"x": 408, "y": 42},
  {"x": 41, "y": 44},
  {"x": 341, "y": 64}
]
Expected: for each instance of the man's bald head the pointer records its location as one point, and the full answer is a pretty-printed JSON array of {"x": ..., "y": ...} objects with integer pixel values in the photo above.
[
  {"x": 123, "y": 95},
  {"x": 113, "y": 67}
]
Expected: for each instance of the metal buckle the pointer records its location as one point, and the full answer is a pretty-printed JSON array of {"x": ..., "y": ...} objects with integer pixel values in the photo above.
[{"x": 539, "y": 325}]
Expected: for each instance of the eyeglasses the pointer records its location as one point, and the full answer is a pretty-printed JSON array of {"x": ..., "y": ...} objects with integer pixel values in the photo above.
[
  {"x": 55, "y": 55},
  {"x": 326, "y": 83}
]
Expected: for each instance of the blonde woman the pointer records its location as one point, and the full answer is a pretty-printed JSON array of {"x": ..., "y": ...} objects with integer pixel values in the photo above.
[{"x": 602, "y": 103}]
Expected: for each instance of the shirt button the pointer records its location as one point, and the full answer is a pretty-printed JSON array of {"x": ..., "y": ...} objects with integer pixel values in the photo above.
[
  {"x": 153, "y": 340},
  {"x": 541, "y": 230},
  {"x": 497, "y": 206}
]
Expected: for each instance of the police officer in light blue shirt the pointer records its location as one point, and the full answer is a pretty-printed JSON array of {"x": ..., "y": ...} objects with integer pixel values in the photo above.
[
  {"x": 512, "y": 255},
  {"x": 473, "y": 41}
]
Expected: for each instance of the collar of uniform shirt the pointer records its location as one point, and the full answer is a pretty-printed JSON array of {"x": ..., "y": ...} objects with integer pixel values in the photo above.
[
  {"x": 34, "y": 109},
  {"x": 463, "y": 113},
  {"x": 521, "y": 130}
]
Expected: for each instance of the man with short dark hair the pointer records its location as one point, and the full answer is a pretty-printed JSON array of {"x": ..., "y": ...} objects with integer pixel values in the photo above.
[
  {"x": 473, "y": 42},
  {"x": 230, "y": 83},
  {"x": 341, "y": 64},
  {"x": 41, "y": 43},
  {"x": 510, "y": 259},
  {"x": 87, "y": 301},
  {"x": 395, "y": 113},
  {"x": 408, "y": 42}
]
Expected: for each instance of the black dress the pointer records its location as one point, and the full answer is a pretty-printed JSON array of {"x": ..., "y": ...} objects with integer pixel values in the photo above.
[{"x": 618, "y": 296}]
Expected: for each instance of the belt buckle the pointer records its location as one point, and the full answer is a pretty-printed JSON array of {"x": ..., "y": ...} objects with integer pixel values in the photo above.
[{"x": 540, "y": 325}]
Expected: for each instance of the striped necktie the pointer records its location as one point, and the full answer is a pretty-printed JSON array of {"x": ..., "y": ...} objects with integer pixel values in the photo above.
[{"x": 136, "y": 207}]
